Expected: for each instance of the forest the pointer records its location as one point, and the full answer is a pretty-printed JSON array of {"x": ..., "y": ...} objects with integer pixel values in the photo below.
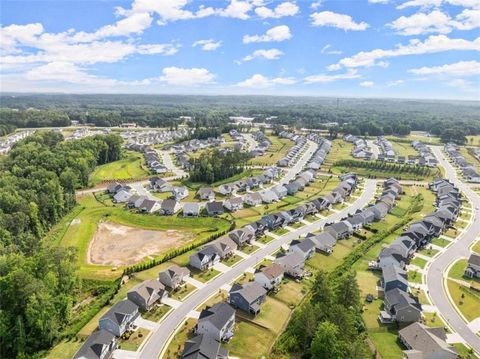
[
  {"x": 38, "y": 280},
  {"x": 215, "y": 166}
]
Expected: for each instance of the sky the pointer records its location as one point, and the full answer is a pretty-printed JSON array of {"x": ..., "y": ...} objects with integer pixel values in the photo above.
[{"x": 362, "y": 48}]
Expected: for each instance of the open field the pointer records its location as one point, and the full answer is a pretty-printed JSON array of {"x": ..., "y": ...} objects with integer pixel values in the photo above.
[
  {"x": 277, "y": 150},
  {"x": 465, "y": 299},
  {"x": 82, "y": 229},
  {"x": 130, "y": 166},
  {"x": 341, "y": 150}
]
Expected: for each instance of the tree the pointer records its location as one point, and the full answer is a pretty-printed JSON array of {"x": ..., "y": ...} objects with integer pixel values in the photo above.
[
  {"x": 326, "y": 344},
  {"x": 347, "y": 291}
]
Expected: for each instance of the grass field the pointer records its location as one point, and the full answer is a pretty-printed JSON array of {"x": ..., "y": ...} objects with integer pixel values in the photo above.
[
  {"x": 78, "y": 234},
  {"x": 476, "y": 247},
  {"x": 404, "y": 149},
  {"x": 130, "y": 166},
  {"x": 465, "y": 299},
  {"x": 276, "y": 151},
  {"x": 341, "y": 150}
]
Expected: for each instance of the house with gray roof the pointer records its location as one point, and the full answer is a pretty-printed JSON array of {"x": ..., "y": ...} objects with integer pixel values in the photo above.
[
  {"x": 242, "y": 236},
  {"x": 380, "y": 210},
  {"x": 204, "y": 259},
  {"x": 270, "y": 277},
  {"x": 305, "y": 247},
  {"x": 423, "y": 342},
  {"x": 233, "y": 204},
  {"x": 206, "y": 194},
  {"x": 356, "y": 221},
  {"x": 173, "y": 276},
  {"x": 224, "y": 246},
  {"x": 268, "y": 196},
  {"x": 339, "y": 230},
  {"x": 179, "y": 192},
  {"x": 393, "y": 277},
  {"x": 252, "y": 198},
  {"x": 324, "y": 242},
  {"x": 119, "y": 318},
  {"x": 473, "y": 266},
  {"x": 169, "y": 207},
  {"x": 247, "y": 297},
  {"x": 203, "y": 347},
  {"x": 99, "y": 345},
  {"x": 217, "y": 321},
  {"x": 147, "y": 294},
  {"x": 150, "y": 206},
  {"x": 293, "y": 264},
  {"x": 214, "y": 208},
  {"x": 191, "y": 209},
  {"x": 280, "y": 191},
  {"x": 121, "y": 196},
  {"x": 400, "y": 307},
  {"x": 391, "y": 256}
]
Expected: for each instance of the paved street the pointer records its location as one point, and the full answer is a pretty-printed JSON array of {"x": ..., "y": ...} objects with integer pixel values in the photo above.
[
  {"x": 460, "y": 248},
  {"x": 250, "y": 141},
  {"x": 374, "y": 148},
  {"x": 169, "y": 324}
]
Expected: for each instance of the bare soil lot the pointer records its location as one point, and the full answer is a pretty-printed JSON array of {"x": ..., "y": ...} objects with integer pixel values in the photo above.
[{"x": 118, "y": 245}]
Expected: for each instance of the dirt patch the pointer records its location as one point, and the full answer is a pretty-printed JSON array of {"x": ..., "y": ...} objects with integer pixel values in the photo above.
[{"x": 117, "y": 245}]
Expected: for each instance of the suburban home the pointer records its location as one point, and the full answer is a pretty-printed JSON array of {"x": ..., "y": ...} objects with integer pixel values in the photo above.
[
  {"x": 191, "y": 209},
  {"x": 400, "y": 307},
  {"x": 242, "y": 236},
  {"x": 269, "y": 277},
  {"x": 160, "y": 185},
  {"x": 226, "y": 189},
  {"x": 247, "y": 297},
  {"x": 173, "y": 276},
  {"x": 206, "y": 194},
  {"x": 135, "y": 201},
  {"x": 473, "y": 266},
  {"x": 293, "y": 264},
  {"x": 322, "y": 203},
  {"x": 273, "y": 221},
  {"x": 340, "y": 230},
  {"x": 324, "y": 242},
  {"x": 203, "y": 347},
  {"x": 280, "y": 191},
  {"x": 419, "y": 232},
  {"x": 180, "y": 193},
  {"x": 204, "y": 258},
  {"x": 214, "y": 208},
  {"x": 393, "y": 277},
  {"x": 99, "y": 345},
  {"x": 252, "y": 198},
  {"x": 356, "y": 221},
  {"x": 380, "y": 210},
  {"x": 169, "y": 207},
  {"x": 405, "y": 246},
  {"x": 147, "y": 294},
  {"x": 268, "y": 196},
  {"x": 368, "y": 215},
  {"x": 293, "y": 187},
  {"x": 150, "y": 206},
  {"x": 121, "y": 196},
  {"x": 305, "y": 247},
  {"x": 426, "y": 343},
  {"x": 217, "y": 322},
  {"x": 114, "y": 188},
  {"x": 391, "y": 256},
  {"x": 233, "y": 204},
  {"x": 119, "y": 318},
  {"x": 224, "y": 246}
]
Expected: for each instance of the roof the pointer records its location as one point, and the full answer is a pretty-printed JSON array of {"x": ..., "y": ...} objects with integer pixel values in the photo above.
[
  {"x": 219, "y": 315},
  {"x": 391, "y": 273},
  {"x": 474, "y": 259},
  {"x": 292, "y": 259},
  {"x": 305, "y": 246},
  {"x": 147, "y": 288},
  {"x": 191, "y": 207},
  {"x": 121, "y": 309},
  {"x": 169, "y": 204},
  {"x": 201, "y": 347},
  {"x": 400, "y": 299},
  {"x": 426, "y": 340},
  {"x": 214, "y": 206},
  {"x": 93, "y": 346},
  {"x": 205, "y": 191},
  {"x": 175, "y": 269},
  {"x": 250, "y": 291},
  {"x": 272, "y": 271}
]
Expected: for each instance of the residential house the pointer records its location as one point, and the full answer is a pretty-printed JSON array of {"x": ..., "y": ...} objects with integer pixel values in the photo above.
[
  {"x": 356, "y": 221},
  {"x": 214, "y": 208},
  {"x": 179, "y": 193},
  {"x": 160, "y": 185},
  {"x": 324, "y": 242},
  {"x": 121, "y": 196},
  {"x": 247, "y": 297},
  {"x": 206, "y": 194},
  {"x": 114, "y": 188},
  {"x": 224, "y": 247},
  {"x": 252, "y": 198},
  {"x": 425, "y": 343},
  {"x": 270, "y": 277},
  {"x": 99, "y": 345},
  {"x": 150, "y": 206},
  {"x": 305, "y": 247},
  {"x": 173, "y": 276},
  {"x": 204, "y": 259},
  {"x": 293, "y": 264},
  {"x": 340, "y": 230},
  {"x": 226, "y": 189},
  {"x": 280, "y": 191},
  {"x": 191, "y": 209},
  {"x": 268, "y": 196},
  {"x": 473, "y": 266},
  {"x": 400, "y": 307},
  {"x": 217, "y": 321},
  {"x": 242, "y": 236},
  {"x": 203, "y": 347},
  {"x": 119, "y": 318},
  {"x": 169, "y": 207},
  {"x": 391, "y": 256},
  {"x": 147, "y": 294},
  {"x": 393, "y": 277},
  {"x": 233, "y": 204}
]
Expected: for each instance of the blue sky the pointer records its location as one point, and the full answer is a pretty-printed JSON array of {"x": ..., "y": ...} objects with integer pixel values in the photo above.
[{"x": 369, "y": 48}]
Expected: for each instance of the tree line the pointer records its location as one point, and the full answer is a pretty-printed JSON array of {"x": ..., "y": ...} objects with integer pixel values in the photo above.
[
  {"x": 38, "y": 280},
  {"x": 213, "y": 166}
]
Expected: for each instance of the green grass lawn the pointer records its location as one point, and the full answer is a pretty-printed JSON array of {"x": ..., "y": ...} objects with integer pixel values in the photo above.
[
  {"x": 441, "y": 242},
  {"x": 341, "y": 150},
  {"x": 419, "y": 262},
  {"x": 265, "y": 239},
  {"x": 64, "y": 349},
  {"x": 175, "y": 348},
  {"x": 456, "y": 272},
  {"x": 433, "y": 320},
  {"x": 156, "y": 313},
  {"x": 404, "y": 149},
  {"x": 129, "y": 167},
  {"x": 465, "y": 299},
  {"x": 280, "y": 231},
  {"x": 414, "y": 277},
  {"x": 182, "y": 292},
  {"x": 275, "y": 152},
  {"x": 232, "y": 260},
  {"x": 463, "y": 351},
  {"x": 429, "y": 252},
  {"x": 386, "y": 343},
  {"x": 476, "y": 247},
  {"x": 249, "y": 249},
  {"x": 204, "y": 276},
  {"x": 134, "y": 341},
  {"x": 92, "y": 212}
]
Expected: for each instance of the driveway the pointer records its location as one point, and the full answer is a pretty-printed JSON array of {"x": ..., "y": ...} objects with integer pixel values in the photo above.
[
  {"x": 161, "y": 337},
  {"x": 460, "y": 248}
]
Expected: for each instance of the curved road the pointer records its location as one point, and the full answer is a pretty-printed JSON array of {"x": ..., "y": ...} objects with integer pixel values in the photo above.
[
  {"x": 162, "y": 336},
  {"x": 460, "y": 248}
]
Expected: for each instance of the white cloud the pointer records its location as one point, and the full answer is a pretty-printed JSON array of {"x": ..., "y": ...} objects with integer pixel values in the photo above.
[
  {"x": 158, "y": 49},
  {"x": 326, "y": 50},
  {"x": 462, "y": 68},
  {"x": 464, "y": 85},
  {"x": 437, "y": 3},
  {"x": 395, "y": 83},
  {"x": 270, "y": 54},
  {"x": 316, "y": 4},
  {"x": 324, "y": 78},
  {"x": 340, "y": 21},
  {"x": 237, "y": 9},
  {"x": 207, "y": 45},
  {"x": 433, "y": 44},
  {"x": 366, "y": 83},
  {"x": 260, "y": 81},
  {"x": 436, "y": 21},
  {"x": 284, "y": 9},
  {"x": 378, "y": 1},
  {"x": 178, "y": 76},
  {"x": 277, "y": 34}
]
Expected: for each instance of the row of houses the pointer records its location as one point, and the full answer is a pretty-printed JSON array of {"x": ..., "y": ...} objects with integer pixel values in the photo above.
[
  {"x": 360, "y": 149},
  {"x": 469, "y": 172},
  {"x": 399, "y": 305},
  {"x": 263, "y": 144},
  {"x": 7, "y": 142},
  {"x": 152, "y": 159},
  {"x": 154, "y": 137},
  {"x": 246, "y": 184},
  {"x": 426, "y": 157},
  {"x": 294, "y": 152},
  {"x": 321, "y": 153},
  {"x": 388, "y": 153}
]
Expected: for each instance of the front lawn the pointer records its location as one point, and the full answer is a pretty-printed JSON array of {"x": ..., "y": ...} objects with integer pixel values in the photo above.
[
  {"x": 465, "y": 299},
  {"x": 429, "y": 252},
  {"x": 249, "y": 249},
  {"x": 476, "y": 247},
  {"x": 175, "y": 348},
  {"x": 182, "y": 292},
  {"x": 156, "y": 313},
  {"x": 414, "y": 277},
  {"x": 456, "y": 272},
  {"x": 419, "y": 262},
  {"x": 441, "y": 242},
  {"x": 133, "y": 340},
  {"x": 265, "y": 239},
  {"x": 204, "y": 276},
  {"x": 231, "y": 261}
]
